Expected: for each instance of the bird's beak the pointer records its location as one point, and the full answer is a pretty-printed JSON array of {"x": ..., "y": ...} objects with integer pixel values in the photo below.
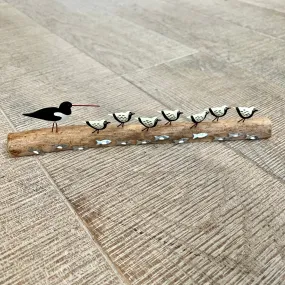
[
  {"x": 86, "y": 105},
  {"x": 180, "y": 113},
  {"x": 255, "y": 110},
  {"x": 108, "y": 123},
  {"x": 159, "y": 119},
  {"x": 133, "y": 113},
  {"x": 229, "y": 107}
]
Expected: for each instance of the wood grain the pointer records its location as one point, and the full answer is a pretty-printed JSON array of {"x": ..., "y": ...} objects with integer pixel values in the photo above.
[
  {"x": 117, "y": 43},
  {"x": 225, "y": 39},
  {"x": 275, "y": 5},
  {"x": 41, "y": 141},
  {"x": 42, "y": 241},
  {"x": 199, "y": 80},
  {"x": 196, "y": 214},
  {"x": 40, "y": 55},
  {"x": 47, "y": 71},
  {"x": 178, "y": 213},
  {"x": 242, "y": 13}
]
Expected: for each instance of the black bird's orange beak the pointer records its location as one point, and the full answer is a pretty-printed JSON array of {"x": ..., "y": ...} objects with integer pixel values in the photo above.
[{"x": 86, "y": 105}]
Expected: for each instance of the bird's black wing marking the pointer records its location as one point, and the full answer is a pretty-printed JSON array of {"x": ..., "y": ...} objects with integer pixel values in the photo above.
[
  {"x": 142, "y": 122},
  {"x": 129, "y": 117},
  {"x": 116, "y": 118},
  {"x": 238, "y": 111},
  {"x": 90, "y": 125},
  {"x": 193, "y": 120},
  {"x": 165, "y": 117},
  {"x": 46, "y": 114},
  {"x": 155, "y": 123},
  {"x": 212, "y": 113}
]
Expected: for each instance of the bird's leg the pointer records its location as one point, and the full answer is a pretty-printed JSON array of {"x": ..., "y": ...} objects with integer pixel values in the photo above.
[
  {"x": 119, "y": 125},
  {"x": 94, "y": 131},
  {"x": 56, "y": 128},
  {"x": 218, "y": 119},
  {"x": 167, "y": 123},
  {"x": 97, "y": 131},
  {"x": 240, "y": 120},
  {"x": 214, "y": 119},
  {"x": 123, "y": 125},
  {"x": 195, "y": 125},
  {"x": 52, "y": 127},
  {"x": 144, "y": 129}
]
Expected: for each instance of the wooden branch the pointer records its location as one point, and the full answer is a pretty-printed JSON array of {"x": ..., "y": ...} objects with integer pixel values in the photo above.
[{"x": 35, "y": 142}]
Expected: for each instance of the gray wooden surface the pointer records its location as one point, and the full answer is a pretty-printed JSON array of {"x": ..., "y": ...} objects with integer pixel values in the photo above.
[{"x": 191, "y": 214}]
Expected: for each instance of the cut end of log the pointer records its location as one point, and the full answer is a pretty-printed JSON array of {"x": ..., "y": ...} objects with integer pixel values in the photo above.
[{"x": 36, "y": 142}]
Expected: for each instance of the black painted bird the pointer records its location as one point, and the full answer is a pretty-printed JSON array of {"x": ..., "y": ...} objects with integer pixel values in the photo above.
[
  {"x": 55, "y": 114},
  {"x": 198, "y": 118},
  {"x": 148, "y": 122},
  {"x": 98, "y": 125},
  {"x": 245, "y": 112},
  {"x": 122, "y": 117},
  {"x": 219, "y": 112},
  {"x": 170, "y": 116}
]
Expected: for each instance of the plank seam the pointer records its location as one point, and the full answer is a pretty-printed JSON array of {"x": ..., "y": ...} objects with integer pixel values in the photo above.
[
  {"x": 241, "y": 26},
  {"x": 157, "y": 64},
  {"x": 262, "y": 7},
  {"x": 120, "y": 276},
  {"x": 227, "y": 146},
  {"x": 147, "y": 93},
  {"x": 91, "y": 57}
]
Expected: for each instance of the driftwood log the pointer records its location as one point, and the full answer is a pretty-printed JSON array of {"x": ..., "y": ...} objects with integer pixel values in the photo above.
[{"x": 40, "y": 141}]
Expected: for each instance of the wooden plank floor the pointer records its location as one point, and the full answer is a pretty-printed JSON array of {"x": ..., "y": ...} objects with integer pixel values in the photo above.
[{"x": 188, "y": 214}]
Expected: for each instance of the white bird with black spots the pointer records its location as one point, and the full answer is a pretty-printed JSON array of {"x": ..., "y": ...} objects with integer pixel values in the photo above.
[
  {"x": 148, "y": 122},
  {"x": 245, "y": 112},
  {"x": 98, "y": 125},
  {"x": 219, "y": 112},
  {"x": 122, "y": 117},
  {"x": 198, "y": 118},
  {"x": 170, "y": 116}
]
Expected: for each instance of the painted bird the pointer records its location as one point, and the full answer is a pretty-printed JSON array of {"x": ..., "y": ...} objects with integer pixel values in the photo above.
[
  {"x": 219, "y": 112},
  {"x": 98, "y": 125},
  {"x": 198, "y": 118},
  {"x": 170, "y": 116},
  {"x": 245, "y": 112},
  {"x": 55, "y": 114},
  {"x": 148, "y": 122},
  {"x": 122, "y": 117}
]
